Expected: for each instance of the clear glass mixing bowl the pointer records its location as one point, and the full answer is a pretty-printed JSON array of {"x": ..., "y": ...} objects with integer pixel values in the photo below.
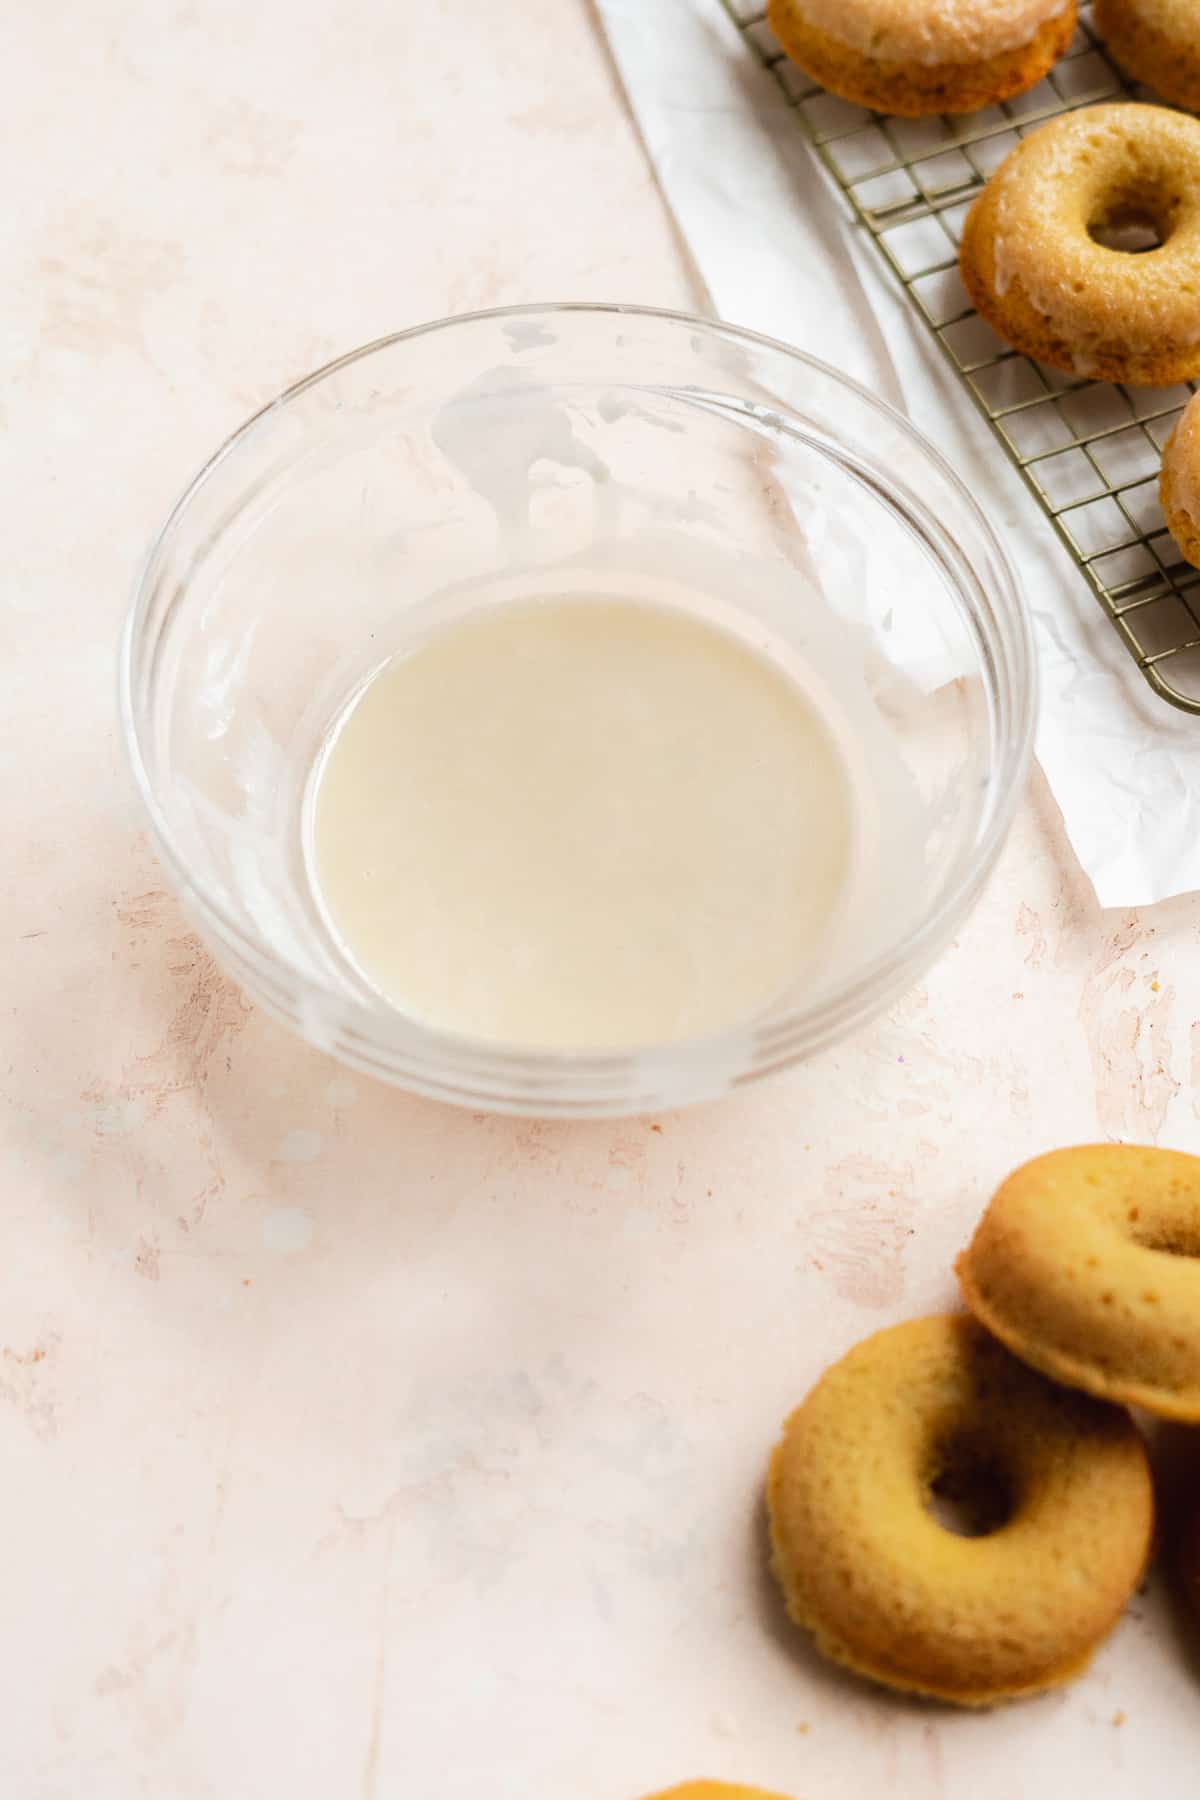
[{"x": 542, "y": 451}]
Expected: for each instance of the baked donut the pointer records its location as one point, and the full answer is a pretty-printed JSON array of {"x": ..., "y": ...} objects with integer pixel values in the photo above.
[
  {"x": 1059, "y": 1483},
  {"x": 1179, "y": 485},
  {"x": 1084, "y": 1265},
  {"x": 1032, "y": 265},
  {"x": 914, "y": 57},
  {"x": 1157, "y": 42},
  {"x": 713, "y": 1790}
]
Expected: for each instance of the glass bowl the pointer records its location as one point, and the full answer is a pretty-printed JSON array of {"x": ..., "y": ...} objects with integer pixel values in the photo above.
[{"x": 544, "y": 451}]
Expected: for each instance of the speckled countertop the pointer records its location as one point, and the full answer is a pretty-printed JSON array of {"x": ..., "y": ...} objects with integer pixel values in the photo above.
[{"x": 350, "y": 1446}]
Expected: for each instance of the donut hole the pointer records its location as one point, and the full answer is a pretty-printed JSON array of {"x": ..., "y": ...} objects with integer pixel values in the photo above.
[
  {"x": 1130, "y": 232},
  {"x": 970, "y": 1493},
  {"x": 1136, "y": 218},
  {"x": 1176, "y": 1237}
]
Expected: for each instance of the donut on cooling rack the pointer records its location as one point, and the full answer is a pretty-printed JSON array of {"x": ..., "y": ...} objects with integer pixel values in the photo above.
[
  {"x": 1060, "y": 1497},
  {"x": 1085, "y": 1265},
  {"x": 1157, "y": 42},
  {"x": 917, "y": 57},
  {"x": 1033, "y": 267},
  {"x": 1179, "y": 486}
]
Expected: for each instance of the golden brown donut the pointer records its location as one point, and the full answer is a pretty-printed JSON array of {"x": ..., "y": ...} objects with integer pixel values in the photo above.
[
  {"x": 1157, "y": 42},
  {"x": 713, "y": 1790},
  {"x": 893, "y": 1594},
  {"x": 1179, "y": 485},
  {"x": 915, "y": 58},
  {"x": 1036, "y": 273},
  {"x": 1085, "y": 1265}
]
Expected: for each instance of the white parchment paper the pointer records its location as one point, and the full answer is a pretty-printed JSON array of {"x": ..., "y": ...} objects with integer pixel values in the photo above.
[{"x": 775, "y": 245}]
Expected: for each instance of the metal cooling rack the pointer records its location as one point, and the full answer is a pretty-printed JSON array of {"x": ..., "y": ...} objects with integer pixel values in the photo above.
[{"x": 1090, "y": 451}]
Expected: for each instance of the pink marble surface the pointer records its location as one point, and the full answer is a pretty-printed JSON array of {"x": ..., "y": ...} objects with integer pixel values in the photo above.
[{"x": 352, "y": 1446}]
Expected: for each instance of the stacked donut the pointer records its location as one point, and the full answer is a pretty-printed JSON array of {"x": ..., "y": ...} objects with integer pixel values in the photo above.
[
  {"x": 1043, "y": 258},
  {"x": 1084, "y": 1297}
]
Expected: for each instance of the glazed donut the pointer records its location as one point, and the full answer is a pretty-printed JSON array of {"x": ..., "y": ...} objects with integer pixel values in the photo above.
[
  {"x": 1157, "y": 42},
  {"x": 1037, "y": 274},
  {"x": 1179, "y": 486},
  {"x": 1084, "y": 1266},
  {"x": 916, "y": 57},
  {"x": 1061, "y": 1487}
]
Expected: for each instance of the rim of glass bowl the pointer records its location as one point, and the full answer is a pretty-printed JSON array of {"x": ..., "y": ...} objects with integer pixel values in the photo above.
[{"x": 441, "y": 1064}]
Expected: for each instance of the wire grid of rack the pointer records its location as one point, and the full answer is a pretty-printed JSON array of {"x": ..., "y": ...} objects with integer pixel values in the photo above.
[{"x": 1090, "y": 451}]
